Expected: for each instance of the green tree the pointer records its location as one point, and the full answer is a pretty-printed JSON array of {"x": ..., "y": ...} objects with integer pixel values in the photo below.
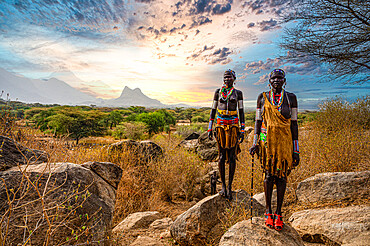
[
  {"x": 154, "y": 120},
  {"x": 115, "y": 117},
  {"x": 77, "y": 123}
]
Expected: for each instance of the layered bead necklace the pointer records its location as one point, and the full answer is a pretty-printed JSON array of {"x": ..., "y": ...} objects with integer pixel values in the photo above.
[
  {"x": 277, "y": 100},
  {"x": 226, "y": 92}
]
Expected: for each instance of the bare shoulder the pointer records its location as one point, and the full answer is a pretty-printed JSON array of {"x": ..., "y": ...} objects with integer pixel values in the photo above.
[
  {"x": 293, "y": 99},
  {"x": 291, "y": 95}
]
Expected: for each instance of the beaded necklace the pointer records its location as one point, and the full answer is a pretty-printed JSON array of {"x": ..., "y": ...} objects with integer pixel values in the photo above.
[
  {"x": 279, "y": 101},
  {"x": 226, "y": 92}
]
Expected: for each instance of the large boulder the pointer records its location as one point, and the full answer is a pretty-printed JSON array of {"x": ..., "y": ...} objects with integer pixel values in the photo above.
[
  {"x": 146, "y": 150},
  {"x": 136, "y": 221},
  {"x": 203, "y": 222},
  {"x": 207, "y": 149},
  {"x": 72, "y": 201},
  {"x": 348, "y": 226},
  {"x": 108, "y": 171},
  {"x": 256, "y": 233},
  {"x": 13, "y": 154},
  {"x": 332, "y": 187}
]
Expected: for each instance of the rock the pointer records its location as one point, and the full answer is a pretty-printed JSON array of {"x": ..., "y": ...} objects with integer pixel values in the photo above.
[
  {"x": 147, "y": 241},
  {"x": 161, "y": 224},
  {"x": 108, "y": 171},
  {"x": 334, "y": 226},
  {"x": 330, "y": 187},
  {"x": 249, "y": 130},
  {"x": 13, "y": 154},
  {"x": 166, "y": 234},
  {"x": 192, "y": 136},
  {"x": 146, "y": 150},
  {"x": 244, "y": 233},
  {"x": 150, "y": 150},
  {"x": 190, "y": 145},
  {"x": 260, "y": 197},
  {"x": 202, "y": 221},
  {"x": 208, "y": 154},
  {"x": 75, "y": 198},
  {"x": 207, "y": 149},
  {"x": 137, "y": 220}
]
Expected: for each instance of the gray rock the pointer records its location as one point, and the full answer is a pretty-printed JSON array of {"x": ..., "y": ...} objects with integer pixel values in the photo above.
[
  {"x": 108, "y": 171},
  {"x": 329, "y": 187},
  {"x": 146, "y": 241},
  {"x": 136, "y": 221},
  {"x": 161, "y": 224},
  {"x": 260, "y": 197},
  {"x": 202, "y": 221},
  {"x": 348, "y": 226},
  {"x": 190, "y": 145},
  {"x": 146, "y": 150},
  {"x": 13, "y": 154},
  {"x": 256, "y": 233},
  {"x": 207, "y": 149},
  {"x": 192, "y": 136},
  {"x": 75, "y": 198}
]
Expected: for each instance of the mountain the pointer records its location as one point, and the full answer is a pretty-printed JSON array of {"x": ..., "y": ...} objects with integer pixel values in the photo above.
[
  {"x": 53, "y": 90},
  {"x": 94, "y": 88},
  {"x": 133, "y": 97},
  {"x": 46, "y": 91}
]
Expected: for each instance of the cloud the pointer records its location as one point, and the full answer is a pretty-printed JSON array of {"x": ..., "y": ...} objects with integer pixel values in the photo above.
[
  {"x": 201, "y": 20},
  {"x": 268, "y": 25}
]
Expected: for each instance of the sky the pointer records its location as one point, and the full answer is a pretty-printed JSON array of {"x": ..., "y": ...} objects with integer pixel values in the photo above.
[{"x": 174, "y": 51}]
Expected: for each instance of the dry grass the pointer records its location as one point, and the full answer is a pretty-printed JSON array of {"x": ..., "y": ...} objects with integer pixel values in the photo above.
[{"x": 334, "y": 142}]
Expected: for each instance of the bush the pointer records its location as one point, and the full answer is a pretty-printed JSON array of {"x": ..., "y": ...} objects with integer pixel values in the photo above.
[
  {"x": 194, "y": 127},
  {"x": 135, "y": 130}
]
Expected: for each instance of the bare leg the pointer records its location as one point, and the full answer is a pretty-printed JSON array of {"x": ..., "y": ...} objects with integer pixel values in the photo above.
[
  {"x": 221, "y": 168},
  {"x": 232, "y": 166},
  {"x": 281, "y": 187},
  {"x": 268, "y": 187}
]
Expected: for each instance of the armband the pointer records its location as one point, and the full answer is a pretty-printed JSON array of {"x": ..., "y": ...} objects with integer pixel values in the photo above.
[
  {"x": 242, "y": 127},
  {"x": 295, "y": 147},
  {"x": 210, "y": 125}
]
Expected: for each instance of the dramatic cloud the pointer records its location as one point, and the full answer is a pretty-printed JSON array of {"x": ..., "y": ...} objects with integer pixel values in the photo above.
[{"x": 268, "y": 25}]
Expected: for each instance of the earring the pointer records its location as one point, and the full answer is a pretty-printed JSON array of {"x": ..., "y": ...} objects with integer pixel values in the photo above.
[
  {"x": 284, "y": 85},
  {"x": 270, "y": 86}
]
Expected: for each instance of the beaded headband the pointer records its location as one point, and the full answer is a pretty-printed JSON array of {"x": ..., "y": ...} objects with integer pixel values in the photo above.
[
  {"x": 277, "y": 71},
  {"x": 230, "y": 72}
]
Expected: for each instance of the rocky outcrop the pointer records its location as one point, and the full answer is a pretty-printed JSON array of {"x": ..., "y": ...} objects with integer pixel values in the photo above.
[
  {"x": 77, "y": 202},
  {"x": 331, "y": 187},
  {"x": 137, "y": 220},
  {"x": 146, "y": 150},
  {"x": 256, "y": 233},
  {"x": 108, "y": 171},
  {"x": 202, "y": 223},
  {"x": 147, "y": 241},
  {"x": 190, "y": 145},
  {"x": 161, "y": 224},
  {"x": 13, "y": 154},
  {"x": 348, "y": 226},
  {"x": 207, "y": 149}
]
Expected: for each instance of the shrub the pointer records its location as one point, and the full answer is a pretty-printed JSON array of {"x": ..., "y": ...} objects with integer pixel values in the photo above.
[{"x": 134, "y": 130}]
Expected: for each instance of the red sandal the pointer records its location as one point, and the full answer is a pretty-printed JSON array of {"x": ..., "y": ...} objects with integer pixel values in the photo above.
[
  {"x": 269, "y": 220},
  {"x": 278, "y": 222}
]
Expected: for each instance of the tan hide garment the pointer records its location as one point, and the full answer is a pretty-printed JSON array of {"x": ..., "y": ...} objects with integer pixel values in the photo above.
[{"x": 277, "y": 155}]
